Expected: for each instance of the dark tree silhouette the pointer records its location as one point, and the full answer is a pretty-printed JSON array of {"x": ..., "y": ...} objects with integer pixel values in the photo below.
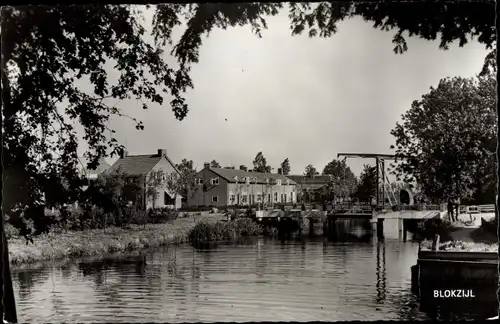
[
  {"x": 285, "y": 167},
  {"x": 260, "y": 164},
  {"x": 45, "y": 50},
  {"x": 447, "y": 140},
  {"x": 214, "y": 164},
  {"x": 367, "y": 185},
  {"x": 310, "y": 171}
]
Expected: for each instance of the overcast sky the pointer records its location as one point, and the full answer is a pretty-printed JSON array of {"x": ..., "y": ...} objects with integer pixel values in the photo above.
[{"x": 295, "y": 97}]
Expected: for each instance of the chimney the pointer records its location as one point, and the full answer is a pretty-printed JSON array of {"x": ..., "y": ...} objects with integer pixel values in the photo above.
[
  {"x": 124, "y": 154},
  {"x": 206, "y": 165},
  {"x": 243, "y": 168},
  {"x": 280, "y": 171},
  {"x": 162, "y": 152}
]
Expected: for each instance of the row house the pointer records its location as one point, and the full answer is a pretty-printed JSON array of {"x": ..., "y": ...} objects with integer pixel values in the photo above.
[{"x": 228, "y": 186}]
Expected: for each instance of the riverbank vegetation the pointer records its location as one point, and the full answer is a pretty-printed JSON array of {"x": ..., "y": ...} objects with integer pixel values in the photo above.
[
  {"x": 426, "y": 245},
  {"x": 60, "y": 244},
  {"x": 232, "y": 231}
]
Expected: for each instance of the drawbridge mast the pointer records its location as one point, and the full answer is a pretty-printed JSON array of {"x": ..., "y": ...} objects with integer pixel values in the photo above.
[{"x": 380, "y": 163}]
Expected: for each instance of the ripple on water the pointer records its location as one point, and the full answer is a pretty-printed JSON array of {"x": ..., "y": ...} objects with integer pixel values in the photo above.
[{"x": 295, "y": 281}]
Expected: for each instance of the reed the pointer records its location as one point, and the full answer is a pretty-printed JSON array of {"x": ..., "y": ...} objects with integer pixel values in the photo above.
[{"x": 232, "y": 231}]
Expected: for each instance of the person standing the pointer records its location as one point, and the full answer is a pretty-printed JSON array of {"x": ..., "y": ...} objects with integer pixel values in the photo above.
[
  {"x": 457, "y": 208},
  {"x": 450, "y": 210}
]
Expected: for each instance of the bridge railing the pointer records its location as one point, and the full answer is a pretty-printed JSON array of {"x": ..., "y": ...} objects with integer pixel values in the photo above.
[
  {"x": 420, "y": 207},
  {"x": 479, "y": 208}
]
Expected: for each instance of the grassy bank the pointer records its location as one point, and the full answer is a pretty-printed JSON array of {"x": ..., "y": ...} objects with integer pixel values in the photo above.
[
  {"x": 461, "y": 246},
  {"x": 95, "y": 242}
]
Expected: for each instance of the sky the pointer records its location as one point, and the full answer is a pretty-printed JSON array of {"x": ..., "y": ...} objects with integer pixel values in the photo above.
[{"x": 295, "y": 97}]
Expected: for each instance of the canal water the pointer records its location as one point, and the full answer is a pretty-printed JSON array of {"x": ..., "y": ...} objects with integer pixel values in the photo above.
[{"x": 262, "y": 280}]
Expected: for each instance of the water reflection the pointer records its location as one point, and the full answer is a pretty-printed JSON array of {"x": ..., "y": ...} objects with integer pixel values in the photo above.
[
  {"x": 264, "y": 279},
  {"x": 27, "y": 279},
  {"x": 381, "y": 272}
]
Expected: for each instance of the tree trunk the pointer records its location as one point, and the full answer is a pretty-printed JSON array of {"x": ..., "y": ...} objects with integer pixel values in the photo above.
[{"x": 8, "y": 303}]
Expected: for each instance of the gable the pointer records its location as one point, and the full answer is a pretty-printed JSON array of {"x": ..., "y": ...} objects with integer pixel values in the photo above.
[{"x": 165, "y": 165}]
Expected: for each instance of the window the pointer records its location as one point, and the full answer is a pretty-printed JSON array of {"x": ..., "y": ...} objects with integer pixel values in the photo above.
[
  {"x": 275, "y": 197},
  {"x": 200, "y": 181},
  {"x": 215, "y": 199},
  {"x": 247, "y": 180},
  {"x": 215, "y": 181},
  {"x": 284, "y": 198},
  {"x": 259, "y": 198},
  {"x": 268, "y": 197},
  {"x": 287, "y": 182},
  {"x": 235, "y": 178},
  {"x": 232, "y": 198},
  {"x": 244, "y": 199},
  {"x": 163, "y": 176},
  {"x": 278, "y": 182},
  {"x": 267, "y": 180}
]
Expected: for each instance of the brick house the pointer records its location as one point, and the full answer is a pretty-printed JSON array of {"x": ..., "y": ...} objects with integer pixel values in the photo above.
[
  {"x": 228, "y": 186},
  {"x": 139, "y": 167}
]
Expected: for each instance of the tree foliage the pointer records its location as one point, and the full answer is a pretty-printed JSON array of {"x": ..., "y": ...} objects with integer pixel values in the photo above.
[
  {"x": 214, "y": 164},
  {"x": 156, "y": 183},
  {"x": 186, "y": 177},
  {"x": 450, "y": 22},
  {"x": 367, "y": 185},
  {"x": 310, "y": 171},
  {"x": 285, "y": 167},
  {"x": 260, "y": 164},
  {"x": 447, "y": 140},
  {"x": 45, "y": 52},
  {"x": 342, "y": 180}
]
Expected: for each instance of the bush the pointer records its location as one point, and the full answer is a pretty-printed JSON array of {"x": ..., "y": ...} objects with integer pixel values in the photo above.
[
  {"x": 232, "y": 231},
  {"x": 489, "y": 226},
  {"x": 195, "y": 208},
  {"x": 431, "y": 227},
  {"x": 426, "y": 245},
  {"x": 11, "y": 231}
]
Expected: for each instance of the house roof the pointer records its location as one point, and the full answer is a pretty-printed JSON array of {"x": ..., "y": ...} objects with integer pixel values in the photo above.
[
  {"x": 229, "y": 175},
  {"x": 138, "y": 164},
  {"x": 102, "y": 165},
  {"x": 316, "y": 180}
]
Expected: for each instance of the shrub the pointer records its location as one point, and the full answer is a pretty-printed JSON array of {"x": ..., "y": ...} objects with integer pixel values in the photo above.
[
  {"x": 426, "y": 245},
  {"x": 136, "y": 216},
  {"x": 195, "y": 208},
  {"x": 490, "y": 226},
  {"x": 205, "y": 232},
  {"x": 11, "y": 231}
]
